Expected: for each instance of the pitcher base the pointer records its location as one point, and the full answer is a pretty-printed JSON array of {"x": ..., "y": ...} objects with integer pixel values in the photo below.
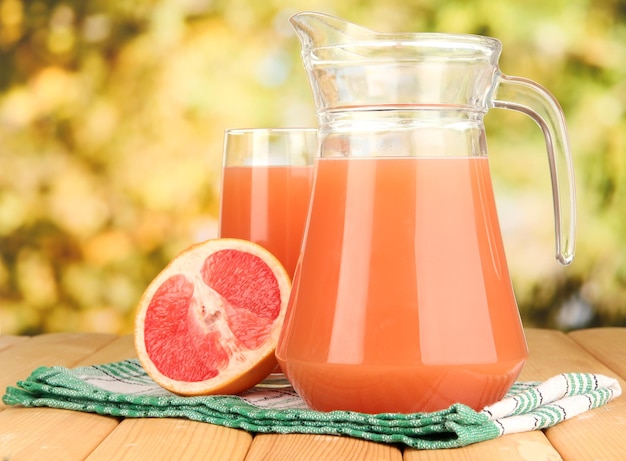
[{"x": 397, "y": 389}]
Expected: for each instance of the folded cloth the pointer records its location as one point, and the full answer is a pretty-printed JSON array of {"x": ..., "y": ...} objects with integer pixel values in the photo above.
[{"x": 124, "y": 389}]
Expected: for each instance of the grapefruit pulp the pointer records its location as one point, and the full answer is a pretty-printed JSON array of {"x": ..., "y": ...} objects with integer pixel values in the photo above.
[{"x": 210, "y": 321}]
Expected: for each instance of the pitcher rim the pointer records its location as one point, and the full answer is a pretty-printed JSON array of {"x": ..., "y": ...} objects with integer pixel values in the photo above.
[{"x": 450, "y": 37}]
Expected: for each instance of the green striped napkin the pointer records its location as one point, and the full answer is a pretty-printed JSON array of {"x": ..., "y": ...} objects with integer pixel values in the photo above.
[{"x": 124, "y": 389}]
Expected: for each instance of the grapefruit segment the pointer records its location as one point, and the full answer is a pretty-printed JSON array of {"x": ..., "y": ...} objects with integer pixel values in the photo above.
[
  {"x": 210, "y": 321},
  {"x": 250, "y": 290}
]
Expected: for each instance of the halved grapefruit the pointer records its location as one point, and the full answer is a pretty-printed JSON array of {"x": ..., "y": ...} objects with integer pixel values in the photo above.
[{"x": 210, "y": 321}]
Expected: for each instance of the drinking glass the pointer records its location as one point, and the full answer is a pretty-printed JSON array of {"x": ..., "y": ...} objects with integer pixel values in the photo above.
[{"x": 266, "y": 185}]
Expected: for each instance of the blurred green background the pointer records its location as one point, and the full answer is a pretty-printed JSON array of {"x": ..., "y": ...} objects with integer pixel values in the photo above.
[{"x": 112, "y": 115}]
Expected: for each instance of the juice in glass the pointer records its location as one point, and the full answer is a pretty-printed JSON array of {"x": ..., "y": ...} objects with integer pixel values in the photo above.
[
  {"x": 403, "y": 302},
  {"x": 267, "y": 205}
]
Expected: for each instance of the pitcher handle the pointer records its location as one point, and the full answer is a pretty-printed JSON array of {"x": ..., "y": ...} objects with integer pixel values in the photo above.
[{"x": 530, "y": 98}]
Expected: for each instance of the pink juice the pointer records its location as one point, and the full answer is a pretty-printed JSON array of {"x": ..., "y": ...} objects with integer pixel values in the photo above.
[
  {"x": 403, "y": 302},
  {"x": 267, "y": 205}
]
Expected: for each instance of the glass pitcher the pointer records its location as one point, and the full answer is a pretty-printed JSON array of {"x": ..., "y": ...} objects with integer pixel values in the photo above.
[{"x": 402, "y": 299}]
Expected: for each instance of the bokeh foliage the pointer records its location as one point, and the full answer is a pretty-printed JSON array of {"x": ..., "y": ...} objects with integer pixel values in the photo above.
[{"x": 112, "y": 116}]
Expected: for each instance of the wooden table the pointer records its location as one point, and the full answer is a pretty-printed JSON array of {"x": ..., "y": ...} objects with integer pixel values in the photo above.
[{"x": 50, "y": 434}]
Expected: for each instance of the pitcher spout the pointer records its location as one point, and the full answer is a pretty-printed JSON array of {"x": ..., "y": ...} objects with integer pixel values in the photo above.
[
  {"x": 318, "y": 29},
  {"x": 351, "y": 66}
]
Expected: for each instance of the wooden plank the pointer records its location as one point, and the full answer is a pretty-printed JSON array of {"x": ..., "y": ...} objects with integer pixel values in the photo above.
[
  {"x": 7, "y": 341},
  {"x": 51, "y": 434},
  {"x": 597, "y": 434},
  {"x": 43, "y": 433},
  {"x": 531, "y": 446},
  {"x": 46, "y": 433},
  {"x": 155, "y": 439},
  {"x": 172, "y": 439},
  {"x": 551, "y": 353},
  {"x": 305, "y": 447},
  {"x": 122, "y": 348},
  {"x": 65, "y": 349},
  {"x": 516, "y": 447},
  {"x": 608, "y": 345}
]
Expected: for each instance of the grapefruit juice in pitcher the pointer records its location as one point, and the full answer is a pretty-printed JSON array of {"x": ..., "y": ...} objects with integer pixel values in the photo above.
[
  {"x": 402, "y": 300},
  {"x": 405, "y": 289}
]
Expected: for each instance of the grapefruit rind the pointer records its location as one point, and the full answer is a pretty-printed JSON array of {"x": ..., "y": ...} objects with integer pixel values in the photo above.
[{"x": 247, "y": 367}]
